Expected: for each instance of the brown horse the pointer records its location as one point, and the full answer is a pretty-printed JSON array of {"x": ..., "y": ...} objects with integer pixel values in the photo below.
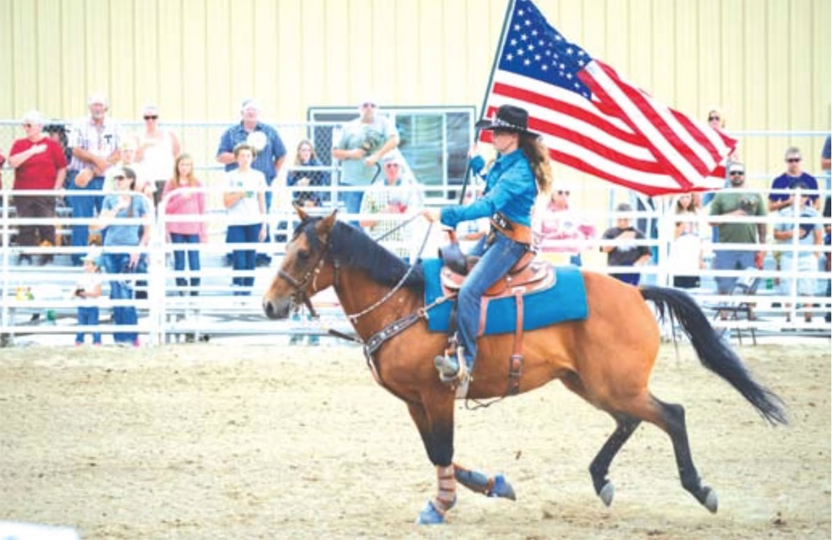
[{"x": 606, "y": 358}]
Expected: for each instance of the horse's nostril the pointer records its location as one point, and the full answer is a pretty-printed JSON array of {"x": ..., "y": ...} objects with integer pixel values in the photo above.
[{"x": 267, "y": 307}]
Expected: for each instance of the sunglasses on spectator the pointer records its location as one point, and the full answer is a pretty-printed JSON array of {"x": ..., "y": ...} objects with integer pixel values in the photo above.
[
  {"x": 119, "y": 177},
  {"x": 368, "y": 105},
  {"x": 392, "y": 165},
  {"x": 712, "y": 118},
  {"x": 560, "y": 192},
  {"x": 793, "y": 160},
  {"x": 736, "y": 173},
  {"x": 152, "y": 117}
]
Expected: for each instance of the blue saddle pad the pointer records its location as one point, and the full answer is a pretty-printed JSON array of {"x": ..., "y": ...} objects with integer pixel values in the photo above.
[{"x": 566, "y": 301}]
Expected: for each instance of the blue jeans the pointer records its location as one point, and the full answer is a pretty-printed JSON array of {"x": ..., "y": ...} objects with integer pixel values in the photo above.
[
  {"x": 88, "y": 316},
  {"x": 352, "y": 201},
  {"x": 179, "y": 259},
  {"x": 731, "y": 260},
  {"x": 83, "y": 206},
  {"x": 243, "y": 259},
  {"x": 120, "y": 289},
  {"x": 495, "y": 262},
  {"x": 632, "y": 279}
]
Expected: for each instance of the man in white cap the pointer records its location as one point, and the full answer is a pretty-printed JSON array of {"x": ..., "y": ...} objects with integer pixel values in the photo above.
[
  {"x": 39, "y": 164},
  {"x": 364, "y": 141},
  {"x": 95, "y": 141},
  {"x": 268, "y": 146}
]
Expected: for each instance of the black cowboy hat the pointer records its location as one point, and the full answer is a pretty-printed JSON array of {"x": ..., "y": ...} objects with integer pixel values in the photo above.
[{"x": 508, "y": 118}]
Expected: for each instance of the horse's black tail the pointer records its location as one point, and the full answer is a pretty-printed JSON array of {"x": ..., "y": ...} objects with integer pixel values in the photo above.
[{"x": 713, "y": 352}]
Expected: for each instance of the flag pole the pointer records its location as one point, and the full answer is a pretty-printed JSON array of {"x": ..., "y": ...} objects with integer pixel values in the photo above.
[{"x": 503, "y": 34}]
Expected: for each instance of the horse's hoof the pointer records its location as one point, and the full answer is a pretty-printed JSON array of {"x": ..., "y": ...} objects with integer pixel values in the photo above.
[
  {"x": 607, "y": 492},
  {"x": 711, "y": 500},
  {"x": 430, "y": 516},
  {"x": 502, "y": 489}
]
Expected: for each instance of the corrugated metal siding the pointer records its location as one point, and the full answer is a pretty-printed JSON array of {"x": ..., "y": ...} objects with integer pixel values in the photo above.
[{"x": 765, "y": 62}]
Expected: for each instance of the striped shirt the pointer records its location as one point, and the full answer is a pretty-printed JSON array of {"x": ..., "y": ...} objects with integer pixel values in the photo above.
[{"x": 98, "y": 140}]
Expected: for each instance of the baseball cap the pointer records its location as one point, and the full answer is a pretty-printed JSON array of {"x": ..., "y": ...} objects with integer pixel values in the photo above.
[
  {"x": 32, "y": 117},
  {"x": 249, "y": 103},
  {"x": 738, "y": 167},
  {"x": 623, "y": 207},
  {"x": 98, "y": 98}
]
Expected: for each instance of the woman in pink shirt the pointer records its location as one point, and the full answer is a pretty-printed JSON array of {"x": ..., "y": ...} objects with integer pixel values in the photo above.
[
  {"x": 183, "y": 202},
  {"x": 560, "y": 233}
]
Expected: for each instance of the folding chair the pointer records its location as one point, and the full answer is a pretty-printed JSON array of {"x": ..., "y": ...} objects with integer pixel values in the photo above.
[{"x": 745, "y": 285}]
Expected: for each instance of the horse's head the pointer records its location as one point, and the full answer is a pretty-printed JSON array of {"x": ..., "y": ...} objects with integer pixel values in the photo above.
[{"x": 303, "y": 271}]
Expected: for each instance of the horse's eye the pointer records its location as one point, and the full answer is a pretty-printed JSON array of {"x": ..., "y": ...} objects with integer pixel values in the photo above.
[{"x": 303, "y": 255}]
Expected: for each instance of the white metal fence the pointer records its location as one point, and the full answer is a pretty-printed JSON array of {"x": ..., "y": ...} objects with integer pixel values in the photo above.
[{"x": 217, "y": 310}]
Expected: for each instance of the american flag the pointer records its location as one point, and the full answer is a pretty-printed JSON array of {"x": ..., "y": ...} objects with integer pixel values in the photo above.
[{"x": 593, "y": 120}]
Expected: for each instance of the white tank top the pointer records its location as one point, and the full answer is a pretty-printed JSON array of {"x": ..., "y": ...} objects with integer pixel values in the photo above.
[{"x": 158, "y": 160}]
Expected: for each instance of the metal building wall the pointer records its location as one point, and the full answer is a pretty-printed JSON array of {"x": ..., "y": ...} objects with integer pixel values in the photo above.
[{"x": 765, "y": 62}]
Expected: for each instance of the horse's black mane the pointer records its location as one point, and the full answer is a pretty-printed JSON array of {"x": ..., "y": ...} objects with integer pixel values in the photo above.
[{"x": 353, "y": 248}]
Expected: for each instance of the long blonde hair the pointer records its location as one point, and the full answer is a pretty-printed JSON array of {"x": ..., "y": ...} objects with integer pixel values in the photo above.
[
  {"x": 173, "y": 183},
  {"x": 538, "y": 156}
]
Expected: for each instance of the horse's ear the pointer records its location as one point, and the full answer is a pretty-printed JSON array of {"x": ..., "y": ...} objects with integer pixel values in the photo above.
[
  {"x": 301, "y": 214},
  {"x": 328, "y": 222}
]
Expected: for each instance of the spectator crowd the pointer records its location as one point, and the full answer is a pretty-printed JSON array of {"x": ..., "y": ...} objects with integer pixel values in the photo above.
[{"x": 113, "y": 182}]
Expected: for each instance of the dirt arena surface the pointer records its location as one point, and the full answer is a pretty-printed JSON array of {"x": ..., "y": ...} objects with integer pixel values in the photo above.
[{"x": 213, "y": 441}]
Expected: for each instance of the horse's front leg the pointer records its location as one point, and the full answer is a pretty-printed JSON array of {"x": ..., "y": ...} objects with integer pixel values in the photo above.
[
  {"x": 436, "y": 426},
  {"x": 490, "y": 486}
]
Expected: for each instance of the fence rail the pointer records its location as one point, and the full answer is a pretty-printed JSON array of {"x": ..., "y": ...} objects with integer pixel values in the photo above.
[{"x": 169, "y": 310}]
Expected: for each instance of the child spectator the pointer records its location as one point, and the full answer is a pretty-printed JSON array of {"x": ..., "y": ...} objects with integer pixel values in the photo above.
[
  {"x": 185, "y": 203},
  {"x": 297, "y": 177},
  {"x": 686, "y": 247},
  {"x": 89, "y": 287},
  {"x": 245, "y": 202},
  {"x": 625, "y": 254}
]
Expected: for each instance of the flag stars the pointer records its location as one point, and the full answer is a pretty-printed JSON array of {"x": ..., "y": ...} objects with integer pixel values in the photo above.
[
  {"x": 509, "y": 57},
  {"x": 524, "y": 37},
  {"x": 534, "y": 32},
  {"x": 520, "y": 52},
  {"x": 569, "y": 76},
  {"x": 530, "y": 47},
  {"x": 569, "y": 51},
  {"x": 537, "y": 57},
  {"x": 513, "y": 42},
  {"x": 517, "y": 27},
  {"x": 544, "y": 67},
  {"x": 528, "y": 22},
  {"x": 527, "y": 62},
  {"x": 581, "y": 63}
]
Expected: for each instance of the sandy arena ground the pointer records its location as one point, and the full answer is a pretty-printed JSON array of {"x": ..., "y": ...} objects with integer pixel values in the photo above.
[{"x": 213, "y": 441}]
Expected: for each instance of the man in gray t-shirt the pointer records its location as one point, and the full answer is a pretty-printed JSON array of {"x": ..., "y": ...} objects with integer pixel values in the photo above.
[{"x": 362, "y": 144}]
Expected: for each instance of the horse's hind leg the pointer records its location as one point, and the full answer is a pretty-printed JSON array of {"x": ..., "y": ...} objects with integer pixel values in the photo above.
[
  {"x": 673, "y": 418},
  {"x": 670, "y": 417},
  {"x": 625, "y": 426}
]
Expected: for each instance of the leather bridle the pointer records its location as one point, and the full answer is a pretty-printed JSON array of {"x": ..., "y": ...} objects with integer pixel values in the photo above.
[{"x": 299, "y": 295}]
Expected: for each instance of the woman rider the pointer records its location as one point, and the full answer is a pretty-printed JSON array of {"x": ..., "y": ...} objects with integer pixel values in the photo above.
[{"x": 522, "y": 169}]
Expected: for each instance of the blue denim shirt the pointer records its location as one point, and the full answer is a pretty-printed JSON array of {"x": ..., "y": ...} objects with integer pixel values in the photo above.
[
  {"x": 265, "y": 159},
  {"x": 510, "y": 188}
]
